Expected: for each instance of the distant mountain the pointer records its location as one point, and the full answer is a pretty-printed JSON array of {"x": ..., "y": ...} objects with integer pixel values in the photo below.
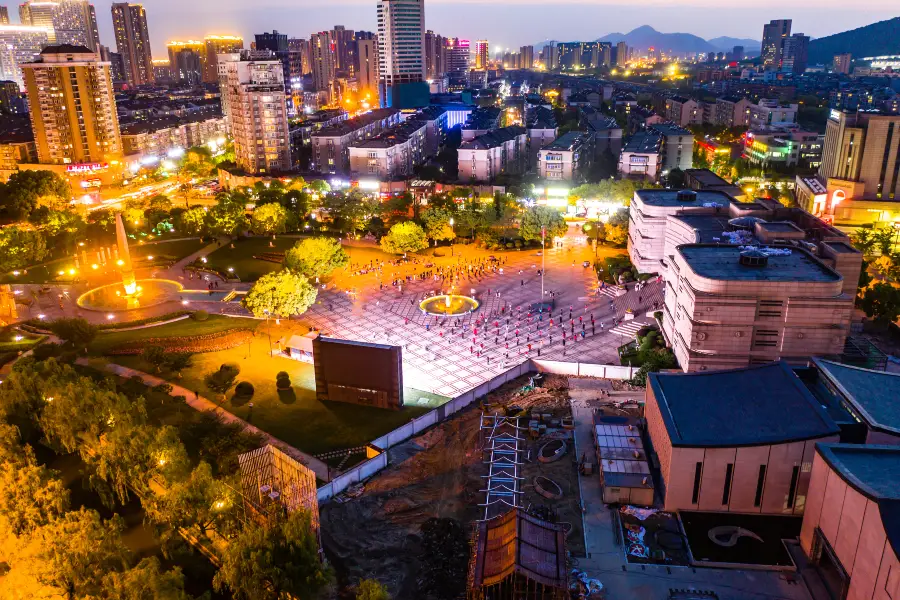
[
  {"x": 645, "y": 37},
  {"x": 877, "y": 39},
  {"x": 727, "y": 44}
]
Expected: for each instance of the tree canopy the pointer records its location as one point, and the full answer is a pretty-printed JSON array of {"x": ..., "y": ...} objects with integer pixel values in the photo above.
[
  {"x": 537, "y": 217},
  {"x": 271, "y": 218},
  {"x": 21, "y": 247},
  {"x": 881, "y": 302},
  {"x": 437, "y": 223},
  {"x": 26, "y": 190},
  {"x": 280, "y": 294},
  {"x": 316, "y": 257},
  {"x": 403, "y": 238}
]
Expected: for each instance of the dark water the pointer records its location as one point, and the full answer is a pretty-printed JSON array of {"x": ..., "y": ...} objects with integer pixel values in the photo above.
[{"x": 140, "y": 538}]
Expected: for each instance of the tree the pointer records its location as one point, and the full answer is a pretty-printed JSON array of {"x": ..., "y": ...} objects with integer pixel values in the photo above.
[
  {"x": 21, "y": 248},
  {"x": 881, "y": 302},
  {"x": 179, "y": 361},
  {"x": 192, "y": 221},
  {"x": 266, "y": 563},
  {"x": 437, "y": 224},
  {"x": 594, "y": 230},
  {"x": 316, "y": 257},
  {"x": 270, "y": 218},
  {"x": 280, "y": 294},
  {"x": 538, "y": 217},
  {"x": 863, "y": 240},
  {"x": 227, "y": 218},
  {"x": 676, "y": 178},
  {"x": 617, "y": 228},
  {"x": 77, "y": 332},
  {"x": 222, "y": 379},
  {"x": 198, "y": 501},
  {"x": 155, "y": 355},
  {"x": 73, "y": 553},
  {"x": 145, "y": 581},
  {"x": 319, "y": 186},
  {"x": 30, "y": 497},
  {"x": 404, "y": 238},
  {"x": 371, "y": 589},
  {"x": 198, "y": 161},
  {"x": 26, "y": 190}
]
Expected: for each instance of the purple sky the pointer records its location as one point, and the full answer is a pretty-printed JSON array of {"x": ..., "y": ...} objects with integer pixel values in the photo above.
[{"x": 505, "y": 23}]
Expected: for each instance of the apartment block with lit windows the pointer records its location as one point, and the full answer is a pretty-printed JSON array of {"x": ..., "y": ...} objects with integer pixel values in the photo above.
[{"x": 72, "y": 107}]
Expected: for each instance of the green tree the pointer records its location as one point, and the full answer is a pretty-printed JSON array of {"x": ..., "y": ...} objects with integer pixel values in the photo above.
[
  {"x": 316, "y": 257},
  {"x": 26, "y": 190},
  {"x": 192, "y": 221},
  {"x": 30, "y": 497},
  {"x": 617, "y": 228},
  {"x": 538, "y": 217},
  {"x": 371, "y": 589},
  {"x": 76, "y": 332},
  {"x": 222, "y": 379},
  {"x": 594, "y": 230},
  {"x": 227, "y": 218},
  {"x": 198, "y": 500},
  {"x": 881, "y": 302},
  {"x": 21, "y": 247},
  {"x": 178, "y": 362},
  {"x": 319, "y": 186},
  {"x": 155, "y": 355},
  {"x": 145, "y": 581},
  {"x": 437, "y": 224},
  {"x": 271, "y": 218},
  {"x": 863, "y": 240},
  {"x": 267, "y": 563},
  {"x": 198, "y": 162},
  {"x": 676, "y": 178},
  {"x": 280, "y": 294},
  {"x": 404, "y": 238}
]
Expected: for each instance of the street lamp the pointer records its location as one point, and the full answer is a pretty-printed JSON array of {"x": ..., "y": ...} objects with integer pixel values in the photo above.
[
  {"x": 268, "y": 330},
  {"x": 452, "y": 222}
]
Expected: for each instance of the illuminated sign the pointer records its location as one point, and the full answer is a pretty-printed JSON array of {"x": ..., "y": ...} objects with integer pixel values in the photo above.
[
  {"x": 835, "y": 114},
  {"x": 86, "y": 167}
]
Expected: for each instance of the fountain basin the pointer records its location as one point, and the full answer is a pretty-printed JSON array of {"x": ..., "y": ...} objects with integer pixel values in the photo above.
[
  {"x": 112, "y": 297},
  {"x": 448, "y": 305}
]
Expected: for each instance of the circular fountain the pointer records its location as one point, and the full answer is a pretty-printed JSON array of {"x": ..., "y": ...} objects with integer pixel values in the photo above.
[
  {"x": 114, "y": 296},
  {"x": 448, "y": 305}
]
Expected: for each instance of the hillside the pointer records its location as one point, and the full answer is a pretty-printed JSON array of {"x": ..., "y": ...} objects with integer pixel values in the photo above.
[
  {"x": 727, "y": 44},
  {"x": 645, "y": 37},
  {"x": 876, "y": 39}
]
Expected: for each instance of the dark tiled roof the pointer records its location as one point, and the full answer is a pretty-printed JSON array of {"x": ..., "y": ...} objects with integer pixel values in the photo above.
[
  {"x": 492, "y": 139},
  {"x": 874, "y": 394},
  {"x": 66, "y": 49},
  {"x": 351, "y": 125},
  {"x": 567, "y": 141},
  {"x": 766, "y": 404}
]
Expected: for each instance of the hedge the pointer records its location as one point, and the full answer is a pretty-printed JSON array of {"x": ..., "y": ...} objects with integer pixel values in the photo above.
[
  {"x": 43, "y": 324},
  {"x": 211, "y": 342}
]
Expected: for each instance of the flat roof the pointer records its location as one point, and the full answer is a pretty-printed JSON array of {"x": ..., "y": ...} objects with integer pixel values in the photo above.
[
  {"x": 779, "y": 227},
  {"x": 874, "y": 394},
  {"x": 723, "y": 262},
  {"x": 350, "y": 125},
  {"x": 708, "y": 226},
  {"x": 662, "y": 197},
  {"x": 873, "y": 471},
  {"x": 567, "y": 141},
  {"x": 754, "y": 406},
  {"x": 643, "y": 142}
]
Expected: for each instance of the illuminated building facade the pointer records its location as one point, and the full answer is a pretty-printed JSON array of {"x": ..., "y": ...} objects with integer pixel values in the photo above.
[
  {"x": 72, "y": 108},
  {"x": 216, "y": 45},
  {"x": 19, "y": 44},
  {"x": 367, "y": 71},
  {"x": 71, "y": 21},
  {"x": 773, "y": 37},
  {"x": 257, "y": 114},
  {"x": 435, "y": 55},
  {"x": 482, "y": 54},
  {"x": 323, "y": 63},
  {"x": 186, "y": 61},
  {"x": 457, "y": 60},
  {"x": 133, "y": 42},
  {"x": 401, "y": 52}
]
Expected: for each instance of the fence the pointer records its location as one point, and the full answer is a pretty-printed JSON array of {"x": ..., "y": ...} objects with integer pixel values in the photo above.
[{"x": 373, "y": 465}]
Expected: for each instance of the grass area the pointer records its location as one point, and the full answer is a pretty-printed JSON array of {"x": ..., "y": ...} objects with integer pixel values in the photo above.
[
  {"x": 176, "y": 249},
  {"x": 294, "y": 416},
  {"x": 106, "y": 340},
  {"x": 240, "y": 258}
]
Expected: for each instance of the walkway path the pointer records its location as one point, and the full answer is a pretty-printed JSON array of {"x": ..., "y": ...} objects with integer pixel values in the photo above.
[{"x": 201, "y": 403}]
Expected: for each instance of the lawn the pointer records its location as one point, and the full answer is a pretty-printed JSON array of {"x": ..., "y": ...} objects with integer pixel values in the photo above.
[
  {"x": 296, "y": 416},
  {"x": 176, "y": 249},
  {"x": 186, "y": 327},
  {"x": 240, "y": 258}
]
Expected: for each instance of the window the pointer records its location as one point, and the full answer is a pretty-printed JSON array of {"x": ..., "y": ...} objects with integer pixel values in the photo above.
[
  {"x": 726, "y": 492},
  {"x": 698, "y": 471},
  {"x": 792, "y": 490},
  {"x": 760, "y": 483}
]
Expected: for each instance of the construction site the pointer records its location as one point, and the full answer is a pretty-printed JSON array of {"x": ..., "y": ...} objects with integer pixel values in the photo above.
[{"x": 434, "y": 518}]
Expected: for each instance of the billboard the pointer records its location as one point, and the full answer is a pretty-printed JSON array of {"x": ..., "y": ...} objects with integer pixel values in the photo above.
[{"x": 358, "y": 373}]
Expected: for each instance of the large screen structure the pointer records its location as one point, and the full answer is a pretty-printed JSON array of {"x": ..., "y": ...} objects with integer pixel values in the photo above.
[{"x": 358, "y": 373}]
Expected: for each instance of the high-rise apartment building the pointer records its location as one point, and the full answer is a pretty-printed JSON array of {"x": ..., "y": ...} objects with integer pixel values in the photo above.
[
  {"x": 344, "y": 49},
  {"x": 401, "y": 53},
  {"x": 435, "y": 55},
  {"x": 773, "y": 37},
  {"x": 116, "y": 64},
  {"x": 864, "y": 147},
  {"x": 186, "y": 61},
  {"x": 621, "y": 54},
  {"x": 20, "y": 44},
  {"x": 322, "y": 55},
  {"x": 72, "y": 107},
  {"x": 4, "y": 15},
  {"x": 526, "y": 57},
  {"x": 133, "y": 42},
  {"x": 795, "y": 54},
  {"x": 456, "y": 59},
  {"x": 72, "y": 21},
  {"x": 300, "y": 57},
  {"x": 216, "y": 45},
  {"x": 482, "y": 54},
  {"x": 274, "y": 42},
  {"x": 253, "y": 82},
  {"x": 841, "y": 63},
  {"x": 367, "y": 70}
]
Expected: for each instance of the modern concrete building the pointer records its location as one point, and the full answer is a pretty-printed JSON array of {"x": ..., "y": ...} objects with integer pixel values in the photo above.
[
  {"x": 72, "y": 22},
  {"x": 706, "y": 180},
  {"x": 401, "y": 51},
  {"x": 677, "y": 146},
  {"x": 133, "y": 42},
  {"x": 257, "y": 114},
  {"x": 392, "y": 154},
  {"x": 331, "y": 145},
  {"x": 641, "y": 156},
  {"x": 367, "y": 71},
  {"x": 542, "y": 130},
  {"x": 732, "y": 111},
  {"x": 735, "y": 441},
  {"x": 851, "y": 526},
  {"x": 20, "y": 44},
  {"x": 568, "y": 158},
  {"x": 72, "y": 107},
  {"x": 187, "y": 60},
  {"x": 783, "y": 148},
  {"x": 606, "y": 132},
  {"x": 772, "y": 113},
  {"x": 482, "y": 54},
  {"x": 773, "y": 37},
  {"x": 321, "y": 48},
  {"x": 160, "y": 136},
  {"x": 841, "y": 64},
  {"x": 684, "y": 111},
  {"x": 216, "y": 45},
  {"x": 795, "y": 54},
  {"x": 503, "y": 150}
]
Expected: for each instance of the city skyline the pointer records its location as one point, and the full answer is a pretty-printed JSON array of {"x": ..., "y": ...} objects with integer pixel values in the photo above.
[{"x": 170, "y": 20}]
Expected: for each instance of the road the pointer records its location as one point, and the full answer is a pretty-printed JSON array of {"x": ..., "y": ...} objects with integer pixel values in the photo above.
[{"x": 115, "y": 197}]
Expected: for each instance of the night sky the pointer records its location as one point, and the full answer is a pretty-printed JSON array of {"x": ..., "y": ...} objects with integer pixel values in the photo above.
[{"x": 506, "y": 23}]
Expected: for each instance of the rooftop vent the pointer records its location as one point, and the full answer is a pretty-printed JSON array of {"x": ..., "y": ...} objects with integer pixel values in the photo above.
[
  {"x": 686, "y": 196},
  {"x": 754, "y": 258},
  {"x": 744, "y": 223}
]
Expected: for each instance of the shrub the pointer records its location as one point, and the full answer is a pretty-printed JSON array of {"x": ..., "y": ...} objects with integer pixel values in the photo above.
[
  {"x": 282, "y": 380},
  {"x": 244, "y": 389},
  {"x": 518, "y": 243},
  {"x": 200, "y": 315},
  {"x": 210, "y": 342},
  {"x": 510, "y": 245}
]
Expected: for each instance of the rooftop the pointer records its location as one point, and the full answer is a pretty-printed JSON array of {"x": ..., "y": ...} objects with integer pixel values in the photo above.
[
  {"x": 567, "y": 141},
  {"x": 643, "y": 142},
  {"x": 351, "y": 125},
  {"x": 760, "y": 405},
  {"x": 669, "y": 198},
  {"x": 670, "y": 129},
  {"x": 66, "y": 49},
  {"x": 723, "y": 262},
  {"x": 388, "y": 138},
  {"x": 873, "y": 471},
  {"x": 875, "y": 394},
  {"x": 494, "y": 138}
]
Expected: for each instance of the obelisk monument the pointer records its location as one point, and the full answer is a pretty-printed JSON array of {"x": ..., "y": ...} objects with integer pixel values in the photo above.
[{"x": 125, "y": 258}]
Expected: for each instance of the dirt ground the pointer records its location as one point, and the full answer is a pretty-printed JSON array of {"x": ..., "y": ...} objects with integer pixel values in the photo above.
[{"x": 439, "y": 474}]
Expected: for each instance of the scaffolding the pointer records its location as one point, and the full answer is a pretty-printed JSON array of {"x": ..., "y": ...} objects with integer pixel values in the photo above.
[
  {"x": 273, "y": 485},
  {"x": 501, "y": 448}
]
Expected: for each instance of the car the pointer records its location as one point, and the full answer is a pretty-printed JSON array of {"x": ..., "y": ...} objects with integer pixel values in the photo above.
[{"x": 586, "y": 264}]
